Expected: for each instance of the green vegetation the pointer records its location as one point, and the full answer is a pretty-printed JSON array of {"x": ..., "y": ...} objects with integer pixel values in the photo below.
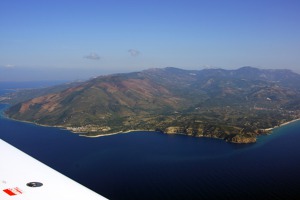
[{"x": 235, "y": 105}]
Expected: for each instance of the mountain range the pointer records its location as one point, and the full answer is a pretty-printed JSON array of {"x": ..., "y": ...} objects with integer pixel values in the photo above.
[{"x": 235, "y": 105}]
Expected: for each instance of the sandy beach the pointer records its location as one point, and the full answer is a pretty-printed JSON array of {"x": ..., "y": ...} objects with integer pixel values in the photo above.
[
  {"x": 102, "y": 135},
  {"x": 286, "y": 123}
]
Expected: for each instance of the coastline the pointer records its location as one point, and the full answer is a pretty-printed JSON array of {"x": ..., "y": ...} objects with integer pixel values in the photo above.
[
  {"x": 109, "y": 134},
  {"x": 82, "y": 134},
  {"x": 85, "y": 134},
  {"x": 283, "y": 124},
  {"x": 286, "y": 123},
  {"x": 129, "y": 131}
]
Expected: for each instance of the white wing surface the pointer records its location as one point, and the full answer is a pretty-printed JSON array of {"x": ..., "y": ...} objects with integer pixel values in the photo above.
[{"x": 25, "y": 178}]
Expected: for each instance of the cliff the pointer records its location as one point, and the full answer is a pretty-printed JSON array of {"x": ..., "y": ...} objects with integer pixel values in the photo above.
[{"x": 229, "y": 104}]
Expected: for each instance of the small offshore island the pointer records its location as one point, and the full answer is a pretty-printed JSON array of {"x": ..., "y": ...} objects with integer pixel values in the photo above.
[{"x": 234, "y": 105}]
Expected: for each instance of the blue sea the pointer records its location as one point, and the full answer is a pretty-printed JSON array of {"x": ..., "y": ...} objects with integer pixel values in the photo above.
[{"x": 151, "y": 165}]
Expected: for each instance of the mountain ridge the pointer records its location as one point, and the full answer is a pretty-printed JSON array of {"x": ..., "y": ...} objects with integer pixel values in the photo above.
[{"x": 235, "y": 105}]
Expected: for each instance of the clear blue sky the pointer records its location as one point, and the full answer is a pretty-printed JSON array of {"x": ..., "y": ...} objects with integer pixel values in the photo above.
[{"x": 74, "y": 39}]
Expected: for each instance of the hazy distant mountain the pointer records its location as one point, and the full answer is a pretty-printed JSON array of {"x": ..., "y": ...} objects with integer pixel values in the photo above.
[
  {"x": 230, "y": 104},
  {"x": 30, "y": 90}
]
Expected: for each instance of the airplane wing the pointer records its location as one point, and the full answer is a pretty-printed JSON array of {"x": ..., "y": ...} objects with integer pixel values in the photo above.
[{"x": 25, "y": 178}]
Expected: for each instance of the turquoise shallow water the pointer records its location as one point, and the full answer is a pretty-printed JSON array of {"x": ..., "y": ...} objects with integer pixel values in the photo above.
[{"x": 150, "y": 165}]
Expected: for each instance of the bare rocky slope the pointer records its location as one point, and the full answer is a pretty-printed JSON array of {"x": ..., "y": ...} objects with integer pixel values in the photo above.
[{"x": 235, "y": 105}]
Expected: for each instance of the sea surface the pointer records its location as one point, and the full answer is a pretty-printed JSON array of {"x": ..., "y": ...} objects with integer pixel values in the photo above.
[{"x": 151, "y": 165}]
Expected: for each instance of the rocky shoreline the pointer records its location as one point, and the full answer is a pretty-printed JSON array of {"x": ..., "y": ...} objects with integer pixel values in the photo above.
[
  {"x": 246, "y": 138},
  {"x": 94, "y": 131}
]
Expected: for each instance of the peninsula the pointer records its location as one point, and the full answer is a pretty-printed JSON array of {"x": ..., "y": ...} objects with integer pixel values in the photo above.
[{"x": 234, "y": 105}]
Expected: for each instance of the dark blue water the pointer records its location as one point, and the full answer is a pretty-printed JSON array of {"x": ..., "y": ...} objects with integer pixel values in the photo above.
[
  {"x": 8, "y": 87},
  {"x": 28, "y": 84},
  {"x": 149, "y": 165},
  {"x": 5, "y": 91}
]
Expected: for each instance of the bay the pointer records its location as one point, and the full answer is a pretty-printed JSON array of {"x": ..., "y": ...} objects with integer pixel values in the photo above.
[{"x": 151, "y": 165}]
